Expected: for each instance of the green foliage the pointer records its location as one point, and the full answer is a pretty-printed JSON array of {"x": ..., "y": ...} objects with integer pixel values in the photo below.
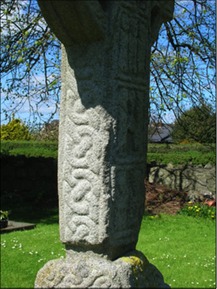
[
  {"x": 199, "y": 210},
  {"x": 30, "y": 148},
  {"x": 157, "y": 153},
  {"x": 196, "y": 124},
  {"x": 15, "y": 130},
  {"x": 195, "y": 154},
  {"x": 166, "y": 148},
  {"x": 191, "y": 157},
  {"x": 3, "y": 215}
]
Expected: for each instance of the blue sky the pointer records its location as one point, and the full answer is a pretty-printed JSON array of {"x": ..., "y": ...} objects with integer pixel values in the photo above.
[{"x": 49, "y": 104}]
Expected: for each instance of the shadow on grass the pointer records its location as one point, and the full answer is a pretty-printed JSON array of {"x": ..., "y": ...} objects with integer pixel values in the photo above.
[{"x": 29, "y": 213}]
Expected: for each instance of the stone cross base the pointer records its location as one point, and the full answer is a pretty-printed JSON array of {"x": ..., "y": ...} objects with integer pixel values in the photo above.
[{"x": 90, "y": 270}]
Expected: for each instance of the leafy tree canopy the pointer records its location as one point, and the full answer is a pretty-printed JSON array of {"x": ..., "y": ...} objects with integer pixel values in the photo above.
[
  {"x": 183, "y": 59},
  {"x": 197, "y": 124}
]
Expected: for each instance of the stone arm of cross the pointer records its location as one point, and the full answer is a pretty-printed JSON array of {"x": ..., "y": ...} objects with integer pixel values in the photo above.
[{"x": 85, "y": 21}]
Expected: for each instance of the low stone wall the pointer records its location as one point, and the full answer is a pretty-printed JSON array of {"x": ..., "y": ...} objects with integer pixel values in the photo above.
[{"x": 197, "y": 181}]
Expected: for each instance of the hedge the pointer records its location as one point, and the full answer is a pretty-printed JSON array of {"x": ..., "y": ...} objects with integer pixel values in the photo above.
[
  {"x": 194, "y": 154},
  {"x": 30, "y": 148}
]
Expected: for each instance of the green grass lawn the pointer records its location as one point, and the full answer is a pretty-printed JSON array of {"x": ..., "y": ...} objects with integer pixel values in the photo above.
[
  {"x": 181, "y": 247},
  {"x": 23, "y": 253}
]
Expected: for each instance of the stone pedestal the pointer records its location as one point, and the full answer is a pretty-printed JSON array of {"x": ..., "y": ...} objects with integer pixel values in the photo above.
[
  {"x": 103, "y": 137},
  {"x": 90, "y": 270}
]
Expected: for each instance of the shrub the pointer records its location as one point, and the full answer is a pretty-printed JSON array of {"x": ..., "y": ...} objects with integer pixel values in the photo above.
[
  {"x": 196, "y": 124},
  {"x": 15, "y": 130}
]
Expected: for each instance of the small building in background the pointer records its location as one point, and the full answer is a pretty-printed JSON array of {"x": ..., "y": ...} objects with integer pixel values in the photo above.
[{"x": 160, "y": 133}]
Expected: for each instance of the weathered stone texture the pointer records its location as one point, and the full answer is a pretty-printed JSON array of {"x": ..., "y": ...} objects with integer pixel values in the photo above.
[
  {"x": 103, "y": 126},
  {"x": 89, "y": 270},
  {"x": 103, "y": 135}
]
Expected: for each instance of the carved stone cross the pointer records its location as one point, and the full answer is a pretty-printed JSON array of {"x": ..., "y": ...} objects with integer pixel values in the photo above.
[{"x": 102, "y": 139}]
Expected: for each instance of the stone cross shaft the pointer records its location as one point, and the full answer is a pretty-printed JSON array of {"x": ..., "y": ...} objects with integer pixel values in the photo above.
[{"x": 103, "y": 118}]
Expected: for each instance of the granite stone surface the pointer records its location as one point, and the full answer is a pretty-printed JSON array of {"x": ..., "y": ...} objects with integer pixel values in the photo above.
[{"x": 102, "y": 134}]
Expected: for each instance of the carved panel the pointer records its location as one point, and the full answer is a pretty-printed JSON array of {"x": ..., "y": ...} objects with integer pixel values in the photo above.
[{"x": 82, "y": 181}]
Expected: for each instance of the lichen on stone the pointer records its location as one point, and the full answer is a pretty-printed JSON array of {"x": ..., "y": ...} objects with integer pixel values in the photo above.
[{"x": 136, "y": 262}]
